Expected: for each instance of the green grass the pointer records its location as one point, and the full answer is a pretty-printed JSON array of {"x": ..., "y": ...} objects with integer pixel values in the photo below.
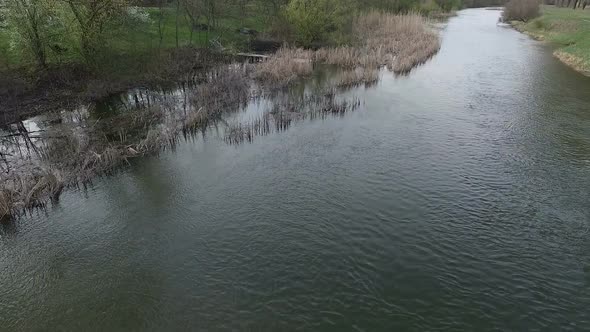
[
  {"x": 567, "y": 28},
  {"x": 143, "y": 39}
]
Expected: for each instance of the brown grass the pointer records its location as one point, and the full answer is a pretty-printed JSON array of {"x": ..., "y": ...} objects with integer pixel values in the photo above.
[
  {"x": 361, "y": 75},
  {"x": 399, "y": 42},
  {"x": 284, "y": 67}
]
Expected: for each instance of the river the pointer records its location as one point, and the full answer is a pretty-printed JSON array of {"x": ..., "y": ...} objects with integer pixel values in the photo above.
[{"x": 455, "y": 198}]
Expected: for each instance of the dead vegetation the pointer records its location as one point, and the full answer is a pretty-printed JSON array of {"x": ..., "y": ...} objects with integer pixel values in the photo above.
[
  {"x": 398, "y": 42},
  {"x": 284, "y": 67},
  {"x": 284, "y": 113},
  {"x": 75, "y": 148},
  {"x": 37, "y": 165},
  {"x": 357, "y": 76}
]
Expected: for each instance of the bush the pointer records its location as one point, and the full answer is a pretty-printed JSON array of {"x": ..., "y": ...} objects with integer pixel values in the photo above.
[
  {"x": 315, "y": 20},
  {"x": 521, "y": 10},
  {"x": 428, "y": 7}
]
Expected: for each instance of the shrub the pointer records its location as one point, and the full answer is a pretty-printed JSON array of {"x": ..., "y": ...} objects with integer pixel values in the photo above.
[
  {"x": 521, "y": 10},
  {"x": 428, "y": 7},
  {"x": 314, "y": 20}
]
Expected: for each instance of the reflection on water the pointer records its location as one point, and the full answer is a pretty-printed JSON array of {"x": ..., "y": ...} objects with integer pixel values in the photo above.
[
  {"x": 68, "y": 149},
  {"x": 456, "y": 198}
]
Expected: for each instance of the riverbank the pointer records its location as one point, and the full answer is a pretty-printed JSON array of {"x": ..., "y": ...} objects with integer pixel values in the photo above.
[
  {"x": 75, "y": 147},
  {"x": 568, "y": 29},
  {"x": 455, "y": 197},
  {"x": 148, "y": 56},
  {"x": 24, "y": 94}
]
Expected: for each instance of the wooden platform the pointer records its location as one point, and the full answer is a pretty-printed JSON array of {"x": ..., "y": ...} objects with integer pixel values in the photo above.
[{"x": 253, "y": 57}]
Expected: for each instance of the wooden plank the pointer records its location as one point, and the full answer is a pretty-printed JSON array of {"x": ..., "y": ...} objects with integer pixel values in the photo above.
[{"x": 252, "y": 55}]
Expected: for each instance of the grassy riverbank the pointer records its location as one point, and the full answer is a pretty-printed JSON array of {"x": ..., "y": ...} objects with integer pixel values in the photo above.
[{"x": 567, "y": 28}]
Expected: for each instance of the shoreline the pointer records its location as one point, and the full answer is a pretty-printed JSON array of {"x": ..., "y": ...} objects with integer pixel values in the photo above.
[
  {"x": 75, "y": 151},
  {"x": 570, "y": 60},
  {"x": 566, "y": 30},
  {"x": 28, "y": 94}
]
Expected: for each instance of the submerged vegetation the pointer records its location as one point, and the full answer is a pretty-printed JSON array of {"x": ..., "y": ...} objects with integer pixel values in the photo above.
[
  {"x": 72, "y": 148},
  {"x": 567, "y": 28}
]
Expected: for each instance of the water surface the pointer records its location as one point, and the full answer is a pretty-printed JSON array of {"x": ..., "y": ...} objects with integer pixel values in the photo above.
[{"x": 457, "y": 197}]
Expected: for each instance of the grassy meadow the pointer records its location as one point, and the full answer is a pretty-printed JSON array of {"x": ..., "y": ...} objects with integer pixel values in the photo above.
[{"x": 567, "y": 28}]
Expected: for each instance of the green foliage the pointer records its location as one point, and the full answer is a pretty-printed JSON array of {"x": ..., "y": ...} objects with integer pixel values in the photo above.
[
  {"x": 311, "y": 19},
  {"x": 314, "y": 20},
  {"x": 29, "y": 29},
  {"x": 448, "y": 5},
  {"x": 428, "y": 7}
]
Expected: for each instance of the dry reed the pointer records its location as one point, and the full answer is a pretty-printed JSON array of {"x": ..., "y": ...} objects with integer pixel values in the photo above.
[
  {"x": 40, "y": 167},
  {"x": 361, "y": 75},
  {"x": 399, "y": 42},
  {"x": 283, "y": 114},
  {"x": 284, "y": 67}
]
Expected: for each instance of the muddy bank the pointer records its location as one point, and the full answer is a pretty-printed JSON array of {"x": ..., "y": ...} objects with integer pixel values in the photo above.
[{"x": 24, "y": 94}]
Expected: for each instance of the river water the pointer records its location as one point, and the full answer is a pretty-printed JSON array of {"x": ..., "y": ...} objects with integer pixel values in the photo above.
[{"x": 457, "y": 197}]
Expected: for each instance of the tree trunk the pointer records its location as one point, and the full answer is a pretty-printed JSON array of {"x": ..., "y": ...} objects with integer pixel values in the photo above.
[
  {"x": 177, "y": 15},
  {"x": 161, "y": 22}
]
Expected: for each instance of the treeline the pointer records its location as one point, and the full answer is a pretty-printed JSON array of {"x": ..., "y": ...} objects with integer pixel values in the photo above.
[
  {"x": 575, "y": 4},
  {"x": 46, "y": 31},
  {"x": 483, "y": 3}
]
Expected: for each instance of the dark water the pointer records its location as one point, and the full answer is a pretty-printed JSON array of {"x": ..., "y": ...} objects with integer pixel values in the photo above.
[{"x": 457, "y": 198}]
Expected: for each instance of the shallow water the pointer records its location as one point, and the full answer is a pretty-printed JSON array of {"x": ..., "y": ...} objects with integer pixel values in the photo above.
[{"x": 455, "y": 198}]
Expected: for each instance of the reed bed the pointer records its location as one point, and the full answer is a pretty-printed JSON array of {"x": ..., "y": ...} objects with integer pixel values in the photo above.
[
  {"x": 398, "y": 42},
  {"x": 35, "y": 167},
  {"x": 74, "y": 152},
  {"x": 284, "y": 114},
  {"x": 362, "y": 75},
  {"x": 284, "y": 67},
  {"x": 224, "y": 91}
]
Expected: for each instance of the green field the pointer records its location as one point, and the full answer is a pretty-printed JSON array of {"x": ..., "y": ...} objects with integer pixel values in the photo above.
[{"x": 567, "y": 28}]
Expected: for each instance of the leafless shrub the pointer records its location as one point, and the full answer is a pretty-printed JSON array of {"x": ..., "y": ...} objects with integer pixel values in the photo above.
[
  {"x": 225, "y": 90},
  {"x": 521, "y": 10}
]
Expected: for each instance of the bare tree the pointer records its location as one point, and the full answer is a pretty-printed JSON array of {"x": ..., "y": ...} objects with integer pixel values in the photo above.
[
  {"x": 29, "y": 18},
  {"x": 92, "y": 18}
]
